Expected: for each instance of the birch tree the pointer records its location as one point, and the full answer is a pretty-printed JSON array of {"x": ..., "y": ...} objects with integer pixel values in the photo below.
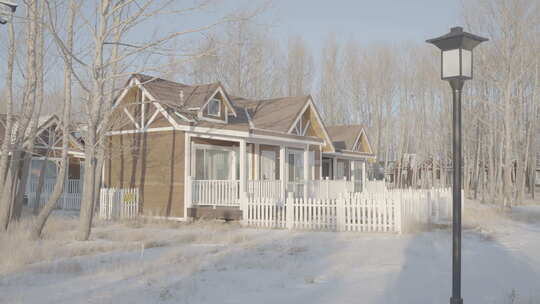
[{"x": 111, "y": 43}]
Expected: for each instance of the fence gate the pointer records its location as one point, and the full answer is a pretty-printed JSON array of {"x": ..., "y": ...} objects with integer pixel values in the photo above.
[{"x": 118, "y": 203}]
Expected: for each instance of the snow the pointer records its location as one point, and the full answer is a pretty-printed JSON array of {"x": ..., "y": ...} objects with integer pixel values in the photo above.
[{"x": 225, "y": 263}]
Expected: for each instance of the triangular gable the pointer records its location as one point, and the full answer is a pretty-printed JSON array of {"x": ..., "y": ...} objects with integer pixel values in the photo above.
[
  {"x": 361, "y": 143},
  {"x": 309, "y": 123},
  {"x": 50, "y": 122},
  {"x": 151, "y": 114},
  {"x": 225, "y": 98}
]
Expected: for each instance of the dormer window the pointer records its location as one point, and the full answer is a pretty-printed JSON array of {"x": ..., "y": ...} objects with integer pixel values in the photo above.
[{"x": 214, "y": 107}]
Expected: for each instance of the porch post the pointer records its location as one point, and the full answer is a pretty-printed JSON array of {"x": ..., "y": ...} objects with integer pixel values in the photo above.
[
  {"x": 320, "y": 162},
  {"x": 353, "y": 178},
  {"x": 306, "y": 172},
  {"x": 334, "y": 168},
  {"x": 187, "y": 174},
  {"x": 363, "y": 176},
  {"x": 242, "y": 167},
  {"x": 352, "y": 163},
  {"x": 257, "y": 165},
  {"x": 282, "y": 175}
]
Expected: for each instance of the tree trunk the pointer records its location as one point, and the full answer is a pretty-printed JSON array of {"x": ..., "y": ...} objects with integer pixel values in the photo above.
[{"x": 39, "y": 187}]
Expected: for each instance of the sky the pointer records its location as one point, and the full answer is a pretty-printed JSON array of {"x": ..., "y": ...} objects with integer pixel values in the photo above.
[{"x": 364, "y": 20}]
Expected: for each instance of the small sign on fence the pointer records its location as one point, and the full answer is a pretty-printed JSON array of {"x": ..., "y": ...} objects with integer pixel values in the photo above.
[{"x": 118, "y": 203}]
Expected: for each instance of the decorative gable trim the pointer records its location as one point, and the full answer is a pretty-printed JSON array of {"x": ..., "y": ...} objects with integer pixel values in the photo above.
[
  {"x": 357, "y": 142},
  {"x": 225, "y": 99},
  {"x": 134, "y": 82},
  {"x": 309, "y": 104},
  {"x": 46, "y": 125}
]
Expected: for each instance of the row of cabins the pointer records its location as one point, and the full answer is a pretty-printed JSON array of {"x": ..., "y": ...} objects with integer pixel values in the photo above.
[
  {"x": 195, "y": 151},
  {"x": 46, "y": 152}
]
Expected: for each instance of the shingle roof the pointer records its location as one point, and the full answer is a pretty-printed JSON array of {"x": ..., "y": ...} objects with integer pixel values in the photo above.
[
  {"x": 344, "y": 136},
  {"x": 169, "y": 91},
  {"x": 276, "y": 114},
  {"x": 273, "y": 115}
]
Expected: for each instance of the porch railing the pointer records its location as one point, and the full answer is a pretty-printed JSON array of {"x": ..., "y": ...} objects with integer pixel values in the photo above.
[
  {"x": 226, "y": 193},
  {"x": 215, "y": 193},
  {"x": 69, "y": 200},
  {"x": 321, "y": 189}
]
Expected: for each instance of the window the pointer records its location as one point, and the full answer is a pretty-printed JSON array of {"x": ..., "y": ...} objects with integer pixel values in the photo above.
[
  {"x": 214, "y": 107},
  {"x": 296, "y": 165},
  {"x": 48, "y": 167},
  {"x": 213, "y": 164},
  {"x": 357, "y": 172},
  {"x": 342, "y": 169},
  {"x": 268, "y": 165}
]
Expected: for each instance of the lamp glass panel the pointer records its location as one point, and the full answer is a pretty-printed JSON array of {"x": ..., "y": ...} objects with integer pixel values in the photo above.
[
  {"x": 450, "y": 63},
  {"x": 466, "y": 62}
]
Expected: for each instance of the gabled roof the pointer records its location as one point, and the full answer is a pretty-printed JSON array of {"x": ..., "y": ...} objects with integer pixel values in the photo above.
[
  {"x": 43, "y": 122},
  {"x": 166, "y": 91},
  {"x": 269, "y": 116},
  {"x": 345, "y": 137},
  {"x": 276, "y": 114}
]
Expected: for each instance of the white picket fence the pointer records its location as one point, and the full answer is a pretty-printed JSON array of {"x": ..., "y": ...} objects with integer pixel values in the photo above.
[
  {"x": 384, "y": 211},
  {"x": 375, "y": 186},
  {"x": 329, "y": 189},
  {"x": 69, "y": 200},
  {"x": 117, "y": 203}
]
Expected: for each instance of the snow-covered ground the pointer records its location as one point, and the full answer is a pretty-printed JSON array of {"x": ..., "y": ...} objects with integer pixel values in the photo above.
[{"x": 210, "y": 262}]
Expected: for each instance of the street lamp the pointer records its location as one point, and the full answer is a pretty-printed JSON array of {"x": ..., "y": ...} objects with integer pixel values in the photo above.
[
  {"x": 456, "y": 67},
  {"x": 6, "y": 5}
]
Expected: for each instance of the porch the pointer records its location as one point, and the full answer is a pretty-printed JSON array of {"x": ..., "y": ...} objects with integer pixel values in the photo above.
[{"x": 223, "y": 170}]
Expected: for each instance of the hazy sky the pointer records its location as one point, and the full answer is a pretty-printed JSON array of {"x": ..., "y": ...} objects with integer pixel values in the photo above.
[{"x": 365, "y": 20}]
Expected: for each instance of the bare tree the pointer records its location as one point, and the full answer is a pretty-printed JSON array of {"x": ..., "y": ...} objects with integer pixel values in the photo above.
[
  {"x": 110, "y": 44},
  {"x": 300, "y": 67}
]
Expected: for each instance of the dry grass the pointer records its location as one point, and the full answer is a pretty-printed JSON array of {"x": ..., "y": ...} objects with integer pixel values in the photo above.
[{"x": 18, "y": 250}]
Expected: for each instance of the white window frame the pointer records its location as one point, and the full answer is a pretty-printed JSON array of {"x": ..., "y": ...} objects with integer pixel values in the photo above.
[
  {"x": 263, "y": 159},
  {"x": 296, "y": 152},
  {"x": 209, "y": 105},
  {"x": 234, "y": 157}
]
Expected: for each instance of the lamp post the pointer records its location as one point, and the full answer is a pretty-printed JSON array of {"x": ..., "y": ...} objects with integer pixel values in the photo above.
[{"x": 456, "y": 67}]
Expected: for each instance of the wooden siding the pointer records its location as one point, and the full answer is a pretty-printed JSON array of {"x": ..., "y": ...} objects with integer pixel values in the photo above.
[
  {"x": 154, "y": 163},
  {"x": 160, "y": 121},
  {"x": 130, "y": 102}
]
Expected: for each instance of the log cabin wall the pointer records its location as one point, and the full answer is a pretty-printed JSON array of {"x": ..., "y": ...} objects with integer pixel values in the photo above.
[{"x": 154, "y": 163}]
